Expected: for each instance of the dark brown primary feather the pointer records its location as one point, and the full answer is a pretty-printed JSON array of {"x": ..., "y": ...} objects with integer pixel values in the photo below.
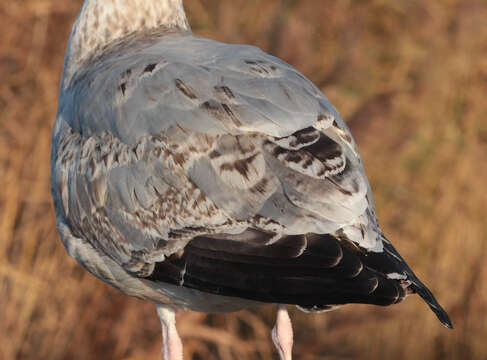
[{"x": 307, "y": 270}]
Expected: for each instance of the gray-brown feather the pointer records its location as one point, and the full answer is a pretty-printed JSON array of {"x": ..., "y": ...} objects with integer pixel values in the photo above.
[{"x": 183, "y": 136}]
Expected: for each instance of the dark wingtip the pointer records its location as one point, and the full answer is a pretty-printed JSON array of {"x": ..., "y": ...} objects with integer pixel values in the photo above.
[
  {"x": 428, "y": 297},
  {"x": 418, "y": 287},
  {"x": 442, "y": 315},
  {"x": 448, "y": 323}
]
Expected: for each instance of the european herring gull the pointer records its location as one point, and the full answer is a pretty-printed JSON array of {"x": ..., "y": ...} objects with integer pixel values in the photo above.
[{"x": 210, "y": 177}]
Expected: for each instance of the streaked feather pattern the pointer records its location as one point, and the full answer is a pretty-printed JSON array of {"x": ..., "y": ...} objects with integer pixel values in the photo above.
[{"x": 221, "y": 169}]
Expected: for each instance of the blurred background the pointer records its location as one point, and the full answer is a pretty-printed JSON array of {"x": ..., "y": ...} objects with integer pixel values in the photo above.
[{"x": 409, "y": 77}]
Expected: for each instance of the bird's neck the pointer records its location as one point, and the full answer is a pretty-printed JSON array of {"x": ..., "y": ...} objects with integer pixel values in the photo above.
[{"x": 101, "y": 22}]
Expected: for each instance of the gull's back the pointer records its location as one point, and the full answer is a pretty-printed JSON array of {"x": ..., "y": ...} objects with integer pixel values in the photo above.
[{"x": 169, "y": 78}]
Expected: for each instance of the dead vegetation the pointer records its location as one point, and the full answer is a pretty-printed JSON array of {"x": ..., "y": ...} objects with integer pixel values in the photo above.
[{"x": 411, "y": 79}]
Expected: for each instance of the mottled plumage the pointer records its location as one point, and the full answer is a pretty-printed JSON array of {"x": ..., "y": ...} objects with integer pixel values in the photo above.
[{"x": 207, "y": 176}]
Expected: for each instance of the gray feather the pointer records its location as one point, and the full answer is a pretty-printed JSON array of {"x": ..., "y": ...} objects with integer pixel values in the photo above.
[{"x": 177, "y": 136}]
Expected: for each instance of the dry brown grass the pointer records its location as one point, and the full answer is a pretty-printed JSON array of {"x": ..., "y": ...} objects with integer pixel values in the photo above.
[{"x": 410, "y": 76}]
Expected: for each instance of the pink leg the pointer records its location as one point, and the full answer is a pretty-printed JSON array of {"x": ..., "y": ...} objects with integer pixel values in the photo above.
[
  {"x": 282, "y": 333},
  {"x": 172, "y": 347}
]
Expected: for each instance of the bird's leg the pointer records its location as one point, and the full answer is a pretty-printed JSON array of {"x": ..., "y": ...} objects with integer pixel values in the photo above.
[
  {"x": 172, "y": 347},
  {"x": 282, "y": 333}
]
